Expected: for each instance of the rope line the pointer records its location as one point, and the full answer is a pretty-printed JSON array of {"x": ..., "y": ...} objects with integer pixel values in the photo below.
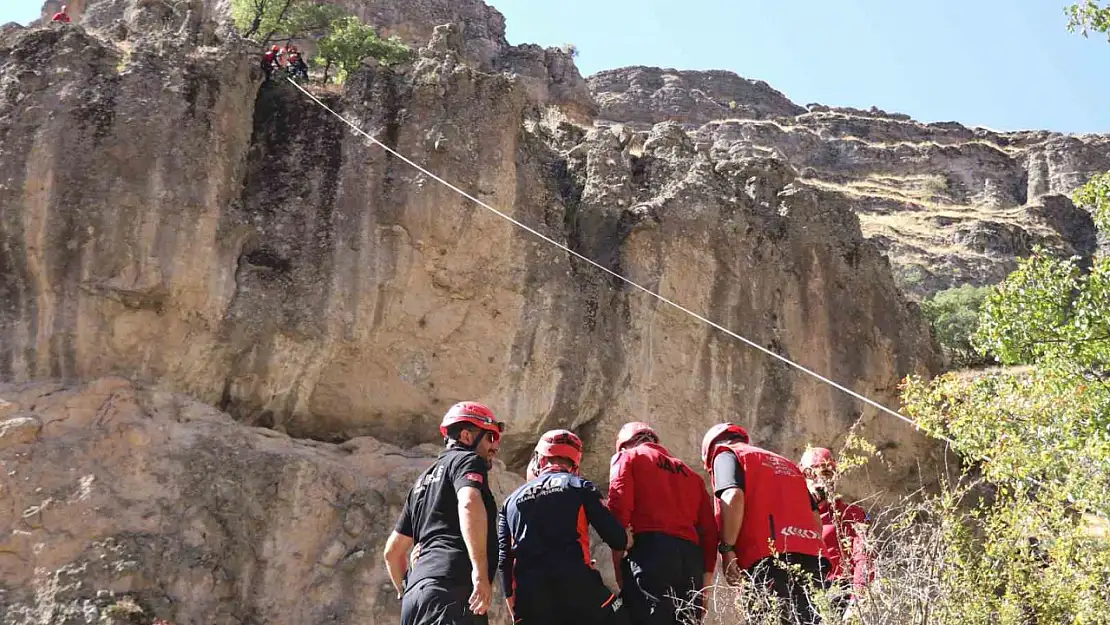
[
  {"x": 639, "y": 287},
  {"x": 628, "y": 281}
]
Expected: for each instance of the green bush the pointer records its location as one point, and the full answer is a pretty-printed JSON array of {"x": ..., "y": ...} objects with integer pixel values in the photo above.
[
  {"x": 263, "y": 21},
  {"x": 954, "y": 317},
  {"x": 1020, "y": 544},
  {"x": 350, "y": 41}
]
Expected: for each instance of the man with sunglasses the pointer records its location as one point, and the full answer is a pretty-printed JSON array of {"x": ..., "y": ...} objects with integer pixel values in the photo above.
[
  {"x": 668, "y": 507},
  {"x": 450, "y": 512},
  {"x": 844, "y": 530},
  {"x": 543, "y": 532}
]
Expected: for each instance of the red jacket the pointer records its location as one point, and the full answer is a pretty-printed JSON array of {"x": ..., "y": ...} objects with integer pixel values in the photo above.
[
  {"x": 777, "y": 506},
  {"x": 652, "y": 491},
  {"x": 60, "y": 17},
  {"x": 847, "y": 517}
]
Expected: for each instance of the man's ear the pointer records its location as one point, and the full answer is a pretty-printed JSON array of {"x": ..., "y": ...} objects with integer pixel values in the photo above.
[{"x": 466, "y": 437}]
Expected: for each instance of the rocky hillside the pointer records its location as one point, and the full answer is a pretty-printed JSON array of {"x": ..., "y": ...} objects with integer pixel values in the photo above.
[
  {"x": 947, "y": 204},
  {"x": 243, "y": 321}
]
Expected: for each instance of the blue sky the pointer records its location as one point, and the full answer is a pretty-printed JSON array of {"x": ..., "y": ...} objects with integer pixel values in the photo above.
[{"x": 1006, "y": 65}]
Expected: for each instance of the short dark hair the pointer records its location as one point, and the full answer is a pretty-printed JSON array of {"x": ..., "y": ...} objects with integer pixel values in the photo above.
[
  {"x": 455, "y": 430},
  {"x": 562, "y": 461}
]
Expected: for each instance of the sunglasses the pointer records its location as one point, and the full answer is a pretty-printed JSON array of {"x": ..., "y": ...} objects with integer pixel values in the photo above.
[{"x": 500, "y": 425}]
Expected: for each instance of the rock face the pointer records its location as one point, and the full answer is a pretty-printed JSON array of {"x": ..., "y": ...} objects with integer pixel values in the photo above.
[
  {"x": 163, "y": 222},
  {"x": 948, "y": 204},
  {"x": 170, "y": 229},
  {"x": 643, "y": 96},
  {"x": 109, "y": 489}
]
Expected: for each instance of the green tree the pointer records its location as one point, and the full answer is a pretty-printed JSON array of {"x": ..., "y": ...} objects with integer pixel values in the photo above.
[
  {"x": 1039, "y": 436},
  {"x": 264, "y": 21},
  {"x": 954, "y": 317},
  {"x": 350, "y": 41},
  {"x": 1088, "y": 16}
]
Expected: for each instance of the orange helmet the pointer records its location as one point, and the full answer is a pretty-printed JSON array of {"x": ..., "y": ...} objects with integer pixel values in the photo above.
[
  {"x": 633, "y": 430},
  {"x": 478, "y": 415},
  {"x": 275, "y": 48},
  {"x": 816, "y": 458},
  {"x": 714, "y": 435}
]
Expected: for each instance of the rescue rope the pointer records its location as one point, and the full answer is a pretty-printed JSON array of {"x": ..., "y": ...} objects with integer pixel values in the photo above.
[
  {"x": 628, "y": 281},
  {"x": 646, "y": 290}
]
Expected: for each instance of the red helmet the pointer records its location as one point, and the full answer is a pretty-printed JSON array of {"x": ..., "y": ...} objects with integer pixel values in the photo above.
[
  {"x": 478, "y": 415},
  {"x": 716, "y": 433},
  {"x": 274, "y": 48},
  {"x": 560, "y": 443},
  {"x": 631, "y": 430},
  {"x": 817, "y": 457}
]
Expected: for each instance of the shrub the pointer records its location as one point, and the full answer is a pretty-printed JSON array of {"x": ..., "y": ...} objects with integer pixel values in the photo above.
[{"x": 953, "y": 315}]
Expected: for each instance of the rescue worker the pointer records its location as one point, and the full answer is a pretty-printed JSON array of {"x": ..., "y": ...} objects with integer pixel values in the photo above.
[
  {"x": 843, "y": 525},
  {"x": 61, "y": 16},
  {"x": 296, "y": 63},
  {"x": 544, "y": 540},
  {"x": 451, "y": 514},
  {"x": 670, "y": 512},
  {"x": 271, "y": 61},
  {"x": 762, "y": 501}
]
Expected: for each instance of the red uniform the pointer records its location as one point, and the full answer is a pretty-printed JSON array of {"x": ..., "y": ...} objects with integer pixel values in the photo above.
[
  {"x": 847, "y": 517},
  {"x": 652, "y": 491},
  {"x": 777, "y": 506},
  {"x": 60, "y": 17}
]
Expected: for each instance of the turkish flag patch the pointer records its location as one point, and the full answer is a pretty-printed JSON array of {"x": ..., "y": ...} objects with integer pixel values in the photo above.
[{"x": 475, "y": 477}]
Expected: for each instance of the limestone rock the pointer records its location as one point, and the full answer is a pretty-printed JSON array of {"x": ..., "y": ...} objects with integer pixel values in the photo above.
[
  {"x": 140, "y": 503},
  {"x": 648, "y": 95},
  {"x": 168, "y": 221}
]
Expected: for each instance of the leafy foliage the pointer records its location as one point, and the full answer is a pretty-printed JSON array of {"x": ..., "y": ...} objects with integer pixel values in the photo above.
[
  {"x": 1088, "y": 16},
  {"x": 954, "y": 317},
  {"x": 264, "y": 21},
  {"x": 1095, "y": 195},
  {"x": 1038, "y": 439},
  {"x": 350, "y": 41}
]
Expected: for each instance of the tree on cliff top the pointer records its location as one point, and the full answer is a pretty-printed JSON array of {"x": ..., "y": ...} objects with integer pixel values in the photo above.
[
  {"x": 350, "y": 41},
  {"x": 264, "y": 21}
]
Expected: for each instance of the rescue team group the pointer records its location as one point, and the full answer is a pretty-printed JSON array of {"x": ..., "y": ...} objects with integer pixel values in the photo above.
[{"x": 765, "y": 517}]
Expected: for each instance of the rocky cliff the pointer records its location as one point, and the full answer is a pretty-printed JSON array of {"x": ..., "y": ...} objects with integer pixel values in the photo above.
[
  {"x": 167, "y": 220},
  {"x": 121, "y": 498},
  {"x": 948, "y": 204}
]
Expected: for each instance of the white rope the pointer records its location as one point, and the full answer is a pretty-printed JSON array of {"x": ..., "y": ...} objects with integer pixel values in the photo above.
[{"x": 646, "y": 290}]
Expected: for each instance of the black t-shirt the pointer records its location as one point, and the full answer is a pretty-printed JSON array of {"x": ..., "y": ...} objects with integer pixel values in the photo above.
[
  {"x": 431, "y": 518},
  {"x": 729, "y": 473}
]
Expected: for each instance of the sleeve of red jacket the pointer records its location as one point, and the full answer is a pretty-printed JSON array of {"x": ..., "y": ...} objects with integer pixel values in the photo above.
[
  {"x": 707, "y": 531},
  {"x": 862, "y": 572},
  {"x": 621, "y": 489}
]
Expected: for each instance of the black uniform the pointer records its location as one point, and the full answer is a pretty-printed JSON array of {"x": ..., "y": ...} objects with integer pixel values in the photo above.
[
  {"x": 544, "y": 541},
  {"x": 438, "y": 588}
]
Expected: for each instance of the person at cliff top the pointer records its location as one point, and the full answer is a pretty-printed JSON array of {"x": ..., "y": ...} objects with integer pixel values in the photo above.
[
  {"x": 844, "y": 529},
  {"x": 671, "y": 515},
  {"x": 296, "y": 61},
  {"x": 544, "y": 542},
  {"x": 271, "y": 60},
  {"x": 762, "y": 501},
  {"x": 62, "y": 15},
  {"x": 451, "y": 514}
]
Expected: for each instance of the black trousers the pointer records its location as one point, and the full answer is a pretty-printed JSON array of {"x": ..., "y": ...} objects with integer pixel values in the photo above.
[
  {"x": 580, "y": 598},
  {"x": 792, "y": 587},
  {"x": 436, "y": 602},
  {"x": 661, "y": 576}
]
